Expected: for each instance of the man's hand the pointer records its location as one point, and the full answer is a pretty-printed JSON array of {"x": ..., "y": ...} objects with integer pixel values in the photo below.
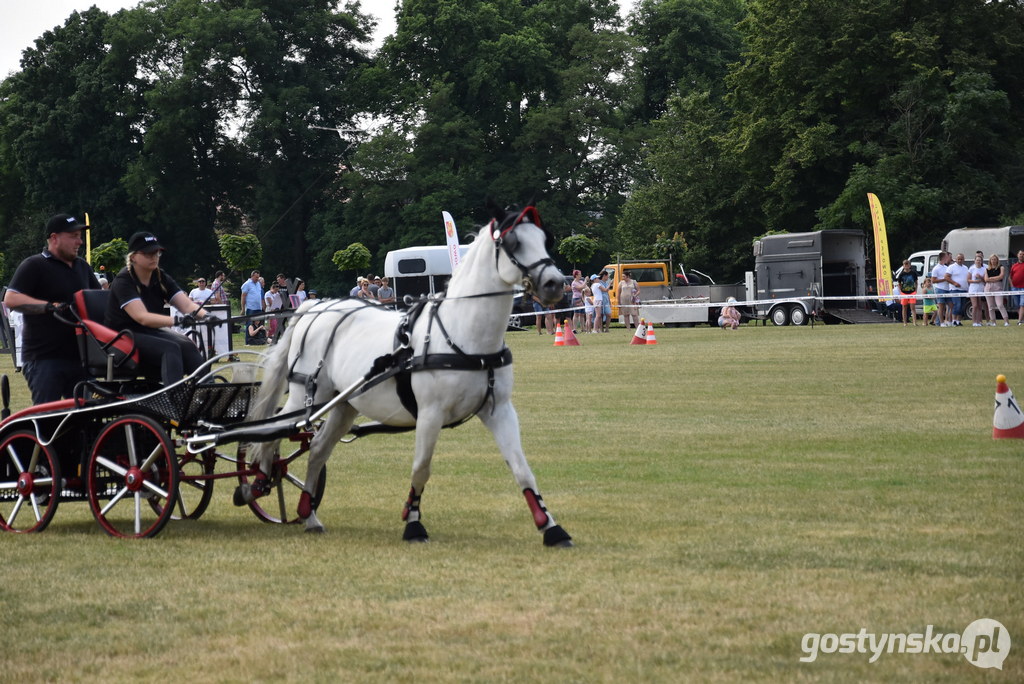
[
  {"x": 186, "y": 321},
  {"x": 57, "y": 307}
]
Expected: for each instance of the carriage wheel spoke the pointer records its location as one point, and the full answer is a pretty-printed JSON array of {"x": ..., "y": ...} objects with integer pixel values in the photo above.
[
  {"x": 159, "y": 491},
  {"x": 138, "y": 512},
  {"x": 129, "y": 438},
  {"x": 282, "y": 507},
  {"x": 157, "y": 452},
  {"x": 15, "y": 510},
  {"x": 111, "y": 465},
  {"x": 14, "y": 458},
  {"x": 113, "y": 500}
]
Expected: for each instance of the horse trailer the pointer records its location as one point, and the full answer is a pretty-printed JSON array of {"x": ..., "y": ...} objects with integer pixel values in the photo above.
[{"x": 798, "y": 275}]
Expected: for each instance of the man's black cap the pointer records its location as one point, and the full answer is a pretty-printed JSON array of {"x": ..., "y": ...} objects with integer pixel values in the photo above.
[{"x": 63, "y": 223}]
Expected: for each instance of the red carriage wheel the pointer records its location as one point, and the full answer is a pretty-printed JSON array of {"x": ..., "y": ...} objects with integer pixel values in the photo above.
[
  {"x": 29, "y": 483},
  {"x": 194, "y": 494},
  {"x": 132, "y": 477},
  {"x": 287, "y": 479}
]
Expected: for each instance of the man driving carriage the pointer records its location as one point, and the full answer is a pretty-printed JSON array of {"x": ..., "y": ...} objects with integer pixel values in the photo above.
[
  {"x": 43, "y": 284},
  {"x": 138, "y": 295}
]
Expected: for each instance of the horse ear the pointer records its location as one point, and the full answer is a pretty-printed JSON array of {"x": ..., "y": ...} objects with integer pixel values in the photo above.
[{"x": 494, "y": 210}]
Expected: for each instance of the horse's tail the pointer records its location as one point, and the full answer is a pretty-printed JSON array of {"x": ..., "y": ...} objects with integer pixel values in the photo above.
[{"x": 275, "y": 376}]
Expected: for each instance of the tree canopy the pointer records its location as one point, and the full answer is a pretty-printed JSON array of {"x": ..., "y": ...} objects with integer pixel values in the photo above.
[{"x": 693, "y": 126}]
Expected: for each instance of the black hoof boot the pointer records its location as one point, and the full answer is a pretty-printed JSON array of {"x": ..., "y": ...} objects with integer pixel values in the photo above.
[
  {"x": 415, "y": 532},
  {"x": 556, "y": 536}
]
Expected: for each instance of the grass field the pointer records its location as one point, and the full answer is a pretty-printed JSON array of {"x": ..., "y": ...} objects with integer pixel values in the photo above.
[{"x": 728, "y": 494}]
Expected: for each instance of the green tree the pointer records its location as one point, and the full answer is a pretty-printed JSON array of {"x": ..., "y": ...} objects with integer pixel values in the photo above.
[
  {"x": 355, "y": 257},
  {"x": 241, "y": 253},
  {"x": 109, "y": 257},
  {"x": 914, "y": 101},
  {"x": 577, "y": 249},
  {"x": 504, "y": 100}
]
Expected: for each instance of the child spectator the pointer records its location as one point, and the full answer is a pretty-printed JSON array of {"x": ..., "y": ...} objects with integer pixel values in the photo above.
[{"x": 930, "y": 308}]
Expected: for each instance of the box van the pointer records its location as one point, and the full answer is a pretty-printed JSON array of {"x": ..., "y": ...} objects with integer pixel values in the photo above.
[{"x": 419, "y": 271}]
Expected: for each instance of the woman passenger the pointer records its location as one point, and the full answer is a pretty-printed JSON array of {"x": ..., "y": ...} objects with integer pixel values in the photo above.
[{"x": 138, "y": 295}]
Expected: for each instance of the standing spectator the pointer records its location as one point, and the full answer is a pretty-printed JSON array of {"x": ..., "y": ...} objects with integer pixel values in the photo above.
[
  {"x": 588, "y": 305},
  {"x": 1017, "y": 284},
  {"x": 539, "y": 319},
  {"x": 577, "y": 286},
  {"x": 252, "y": 299},
  {"x": 272, "y": 304},
  {"x": 940, "y": 282},
  {"x": 300, "y": 292},
  {"x": 364, "y": 291},
  {"x": 218, "y": 293},
  {"x": 928, "y": 290},
  {"x": 958, "y": 275},
  {"x": 976, "y": 289},
  {"x": 600, "y": 292},
  {"x": 995, "y": 275},
  {"x": 354, "y": 292},
  {"x": 43, "y": 284},
  {"x": 200, "y": 293},
  {"x": 606, "y": 302},
  {"x": 219, "y": 297},
  {"x": 907, "y": 284},
  {"x": 627, "y": 292},
  {"x": 374, "y": 285},
  {"x": 104, "y": 283},
  {"x": 385, "y": 294}
]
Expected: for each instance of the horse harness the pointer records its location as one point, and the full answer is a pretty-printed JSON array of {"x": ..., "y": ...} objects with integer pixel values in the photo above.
[{"x": 402, "y": 362}]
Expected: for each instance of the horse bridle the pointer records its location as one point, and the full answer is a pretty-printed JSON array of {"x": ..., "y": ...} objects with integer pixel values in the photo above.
[{"x": 506, "y": 240}]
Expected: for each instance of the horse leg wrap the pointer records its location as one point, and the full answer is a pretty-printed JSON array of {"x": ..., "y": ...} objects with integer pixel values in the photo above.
[
  {"x": 411, "y": 512},
  {"x": 536, "y": 504},
  {"x": 305, "y": 505}
]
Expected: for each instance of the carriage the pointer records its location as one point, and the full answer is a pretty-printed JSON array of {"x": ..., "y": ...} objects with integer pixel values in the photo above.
[
  {"x": 121, "y": 444},
  {"x": 142, "y": 455}
]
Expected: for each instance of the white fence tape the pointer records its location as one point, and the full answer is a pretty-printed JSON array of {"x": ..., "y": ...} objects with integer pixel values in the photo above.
[{"x": 704, "y": 302}]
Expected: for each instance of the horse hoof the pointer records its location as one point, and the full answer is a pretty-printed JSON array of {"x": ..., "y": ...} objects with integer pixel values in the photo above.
[
  {"x": 415, "y": 532},
  {"x": 243, "y": 495},
  {"x": 557, "y": 537},
  {"x": 316, "y": 529}
]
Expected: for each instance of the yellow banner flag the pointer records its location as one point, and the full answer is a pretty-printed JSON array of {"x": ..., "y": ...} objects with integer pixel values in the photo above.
[
  {"x": 883, "y": 271},
  {"x": 88, "y": 242}
]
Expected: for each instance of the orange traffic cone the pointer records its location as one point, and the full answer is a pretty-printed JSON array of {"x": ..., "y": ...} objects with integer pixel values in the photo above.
[
  {"x": 559, "y": 338},
  {"x": 640, "y": 336},
  {"x": 1008, "y": 422},
  {"x": 650, "y": 334},
  {"x": 570, "y": 337}
]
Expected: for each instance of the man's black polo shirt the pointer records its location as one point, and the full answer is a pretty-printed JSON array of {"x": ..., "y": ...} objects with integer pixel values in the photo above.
[{"x": 46, "y": 277}]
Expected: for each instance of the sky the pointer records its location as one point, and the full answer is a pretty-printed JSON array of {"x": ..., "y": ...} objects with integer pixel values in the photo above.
[{"x": 22, "y": 22}]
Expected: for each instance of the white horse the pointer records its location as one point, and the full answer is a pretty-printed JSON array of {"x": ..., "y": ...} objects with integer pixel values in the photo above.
[{"x": 437, "y": 365}]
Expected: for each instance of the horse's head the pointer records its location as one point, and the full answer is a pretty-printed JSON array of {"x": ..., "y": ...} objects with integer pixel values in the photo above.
[{"x": 527, "y": 245}]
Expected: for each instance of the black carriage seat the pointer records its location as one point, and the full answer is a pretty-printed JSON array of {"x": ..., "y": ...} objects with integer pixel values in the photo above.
[{"x": 105, "y": 353}]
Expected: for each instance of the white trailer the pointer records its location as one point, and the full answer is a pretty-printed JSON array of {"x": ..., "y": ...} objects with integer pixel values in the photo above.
[{"x": 419, "y": 271}]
